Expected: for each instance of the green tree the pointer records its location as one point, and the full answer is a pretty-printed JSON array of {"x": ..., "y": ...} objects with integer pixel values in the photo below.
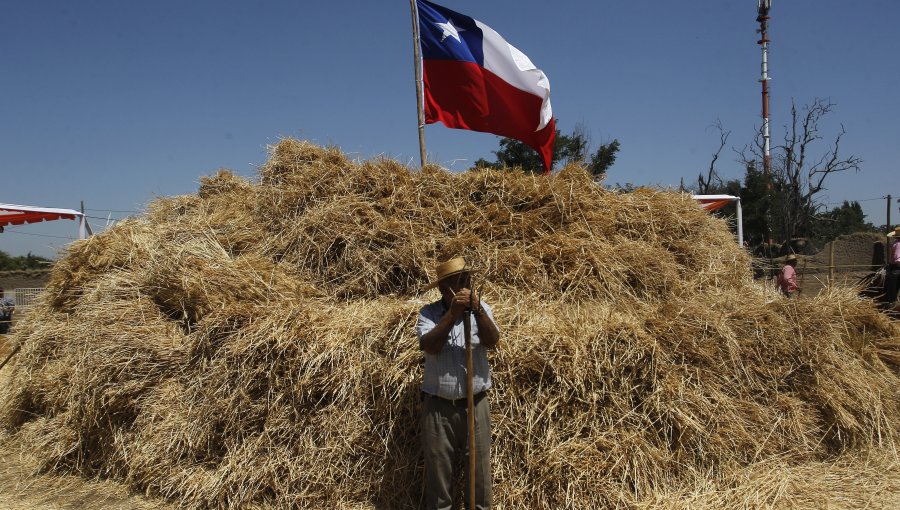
[
  {"x": 10, "y": 263},
  {"x": 604, "y": 158},
  {"x": 572, "y": 148},
  {"x": 755, "y": 202},
  {"x": 846, "y": 219}
]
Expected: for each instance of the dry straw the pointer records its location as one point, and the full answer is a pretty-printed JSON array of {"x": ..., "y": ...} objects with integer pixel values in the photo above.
[{"x": 252, "y": 345}]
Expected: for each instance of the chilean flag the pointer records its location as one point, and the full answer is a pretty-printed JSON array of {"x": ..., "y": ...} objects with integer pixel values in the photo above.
[{"x": 476, "y": 80}]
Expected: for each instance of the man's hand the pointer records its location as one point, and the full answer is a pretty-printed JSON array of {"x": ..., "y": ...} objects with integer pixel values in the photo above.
[{"x": 463, "y": 300}]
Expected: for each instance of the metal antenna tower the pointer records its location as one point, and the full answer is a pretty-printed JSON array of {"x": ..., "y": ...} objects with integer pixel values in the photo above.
[{"x": 763, "y": 7}]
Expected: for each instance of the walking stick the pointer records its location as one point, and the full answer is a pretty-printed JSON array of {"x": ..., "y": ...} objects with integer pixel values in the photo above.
[{"x": 470, "y": 387}]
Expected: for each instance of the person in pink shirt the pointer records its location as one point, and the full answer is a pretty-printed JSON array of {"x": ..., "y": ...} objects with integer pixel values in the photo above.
[
  {"x": 787, "y": 278},
  {"x": 893, "y": 269}
]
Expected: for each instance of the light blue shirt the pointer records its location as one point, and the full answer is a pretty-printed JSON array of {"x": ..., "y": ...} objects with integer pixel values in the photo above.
[{"x": 445, "y": 372}]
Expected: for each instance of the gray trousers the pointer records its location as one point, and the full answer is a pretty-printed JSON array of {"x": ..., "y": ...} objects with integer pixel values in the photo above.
[{"x": 445, "y": 438}]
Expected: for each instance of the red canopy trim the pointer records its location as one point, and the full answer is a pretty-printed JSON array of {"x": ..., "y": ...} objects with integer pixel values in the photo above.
[
  {"x": 714, "y": 205},
  {"x": 12, "y": 214},
  {"x": 20, "y": 217}
]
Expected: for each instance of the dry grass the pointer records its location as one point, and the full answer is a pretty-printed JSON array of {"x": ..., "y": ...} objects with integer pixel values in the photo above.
[
  {"x": 18, "y": 491},
  {"x": 253, "y": 345},
  {"x": 852, "y": 482}
]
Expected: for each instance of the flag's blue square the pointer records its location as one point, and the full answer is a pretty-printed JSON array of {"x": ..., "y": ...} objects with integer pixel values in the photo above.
[{"x": 448, "y": 35}]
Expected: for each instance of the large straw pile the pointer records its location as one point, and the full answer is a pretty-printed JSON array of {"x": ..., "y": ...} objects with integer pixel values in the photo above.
[{"x": 253, "y": 345}]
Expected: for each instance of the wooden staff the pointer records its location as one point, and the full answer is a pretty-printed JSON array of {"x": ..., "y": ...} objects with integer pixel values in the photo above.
[{"x": 470, "y": 388}]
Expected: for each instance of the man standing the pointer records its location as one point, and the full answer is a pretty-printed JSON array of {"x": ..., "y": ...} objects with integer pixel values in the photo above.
[
  {"x": 444, "y": 421},
  {"x": 7, "y": 307},
  {"x": 892, "y": 278},
  {"x": 787, "y": 278}
]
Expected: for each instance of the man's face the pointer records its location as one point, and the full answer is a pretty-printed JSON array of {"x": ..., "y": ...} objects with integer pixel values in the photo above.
[{"x": 450, "y": 285}]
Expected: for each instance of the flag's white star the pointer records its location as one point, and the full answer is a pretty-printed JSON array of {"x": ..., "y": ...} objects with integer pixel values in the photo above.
[{"x": 450, "y": 30}]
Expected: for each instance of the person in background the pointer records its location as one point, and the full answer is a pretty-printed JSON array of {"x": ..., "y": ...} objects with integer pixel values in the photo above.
[
  {"x": 892, "y": 277},
  {"x": 7, "y": 307},
  {"x": 787, "y": 278},
  {"x": 444, "y": 424}
]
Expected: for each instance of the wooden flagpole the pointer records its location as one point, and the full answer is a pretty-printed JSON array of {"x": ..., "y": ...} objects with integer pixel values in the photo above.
[{"x": 418, "y": 71}]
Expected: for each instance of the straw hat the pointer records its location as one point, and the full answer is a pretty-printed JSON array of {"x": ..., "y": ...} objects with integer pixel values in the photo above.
[
  {"x": 451, "y": 267},
  {"x": 895, "y": 233},
  {"x": 790, "y": 258}
]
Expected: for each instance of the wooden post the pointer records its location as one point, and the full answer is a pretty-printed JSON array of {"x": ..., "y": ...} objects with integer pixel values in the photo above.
[
  {"x": 831, "y": 263},
  {"x": 889, "y": 213},
  {"x": 887, "y": 245},
  {"x": 802, "y": 274},
  {"x": 418, "y": 73}
]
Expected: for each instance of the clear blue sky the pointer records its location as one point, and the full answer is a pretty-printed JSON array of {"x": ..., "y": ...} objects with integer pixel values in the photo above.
[{"x": 116, "y": 103}]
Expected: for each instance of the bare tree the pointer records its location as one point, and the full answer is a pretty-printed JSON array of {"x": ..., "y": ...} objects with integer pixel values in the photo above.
[
  {"x": 712, "y": 179},
  {"x": 798, "y": 175}
]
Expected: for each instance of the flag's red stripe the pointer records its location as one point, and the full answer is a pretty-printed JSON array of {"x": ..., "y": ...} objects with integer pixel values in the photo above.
[{"x": 463, "y": 95}]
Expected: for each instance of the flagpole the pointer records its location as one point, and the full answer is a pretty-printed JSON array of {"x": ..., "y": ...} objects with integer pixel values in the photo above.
[{"x": 418, "y": 72}]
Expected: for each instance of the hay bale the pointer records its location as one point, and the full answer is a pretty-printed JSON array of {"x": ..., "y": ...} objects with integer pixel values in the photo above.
[{"x": 253, "y": 345}]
